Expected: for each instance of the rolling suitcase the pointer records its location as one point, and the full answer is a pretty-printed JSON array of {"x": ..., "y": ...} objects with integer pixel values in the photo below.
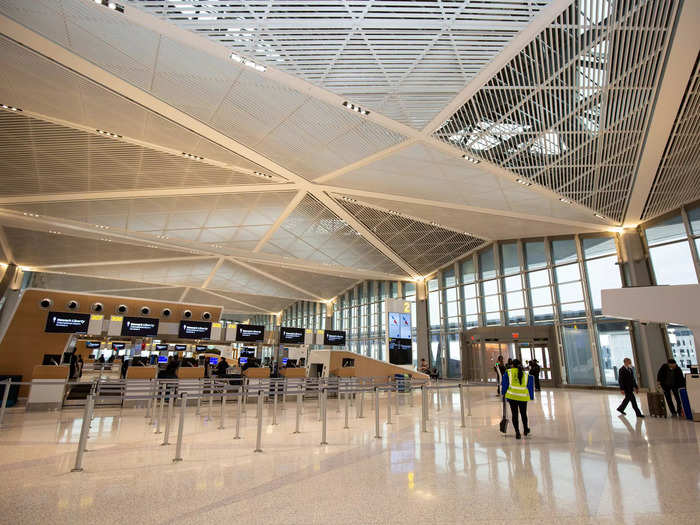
[
  {"x": 657, "y": 404},
  {"x": 504, "y": 421},
  {"x": 687, "y": 412}
]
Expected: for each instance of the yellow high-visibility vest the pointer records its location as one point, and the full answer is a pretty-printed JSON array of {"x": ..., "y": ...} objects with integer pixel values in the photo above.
[{"x": 517, "y": 390}]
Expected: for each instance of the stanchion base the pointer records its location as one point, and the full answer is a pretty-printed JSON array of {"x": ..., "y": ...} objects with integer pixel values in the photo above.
[
  {"x": 237, "y": 437},
  {"x": 164, "y": 444},
  {"x": 76, "y": 470},
  {"x": 346, "y": 428},
  {"x": 324, "y": 442},
  {"x": 158, "y": 432},
  {"x": 295, "y": 432},
  {"x": 378, "y": 437},
  {"x": 175, "y": 460},
  {"x": 257, "y": 450}
]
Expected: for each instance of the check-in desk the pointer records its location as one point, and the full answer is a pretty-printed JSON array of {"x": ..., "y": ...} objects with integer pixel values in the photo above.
[
  {"x": 346, "y": 371},
  {"x": 257, "y": 373},
  {"x": 189, "y": 380},
  {"x": 295, "y": 373},
  {"x": 692, "y": 385},
  {"x": 48, "y": 387},
  {"x": 139, "y": 384},
  {"x": 192, "y": 372}
]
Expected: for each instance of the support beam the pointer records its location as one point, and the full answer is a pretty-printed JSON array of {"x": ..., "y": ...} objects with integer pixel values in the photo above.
[
  {"x": 118, "y": 290},
  {"x": 682, "y": 54},
  {"x": 222, "y": 296},
  {"x": 275, "y": 226},
  {"x": 5, "y": 245},
  {"x": 124, "y": 263},
  {"x": 212, "y": 274},
  {"x": 330, "y": 203},
  {"x": 255, "y": 269},
  {"x": 184, "y": 293}
]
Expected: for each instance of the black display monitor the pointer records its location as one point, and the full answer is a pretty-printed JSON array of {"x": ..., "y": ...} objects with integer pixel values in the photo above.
[
  {"x": 180, "y": 348},
  {"x": 292, "y": 336},
  {"x": 139, "y": 327},
  {"x": 248, "y": 352},
  {"x": 194, "y": 330},
  {"x": 67, "y": 323},
  {"x": 92, "y": 344},
  {"x": 201, "y": 348},
  {"x": 162, "y": 347},
  {"x": 118, "y": 346},
  {"x": 334, "y": 338},
  {"x": 400, "y": 351},
  {"x": 250, "y": 333}
]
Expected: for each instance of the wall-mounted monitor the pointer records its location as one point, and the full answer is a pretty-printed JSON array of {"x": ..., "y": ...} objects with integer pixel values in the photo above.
[
  {"x": 118, "y": 346},
  {"x": 292, "y": 336},
  {"x": 284, "y": 360},
  {"x": 139, "y": 327},
  {"x": 394, "y": 325},
  {"x": 242, "y": 360},
  {"x": 180, "y": 348},
  {"x": 161, "y": 347},
  {"x": 162, "y": 358},
  {"x": 334, "y": 338},
  {"x": 201, "y": 348},
  {"x": 400, "y": 351},
  {"x": 194, "y": 330},
  {"x": 92, "y": 344},
  {"x": 405, "y": 332},
  {"x": 250, "y": 333},
  {"x": 247, "y": 352},
  {"x": 67, "y": 323}
]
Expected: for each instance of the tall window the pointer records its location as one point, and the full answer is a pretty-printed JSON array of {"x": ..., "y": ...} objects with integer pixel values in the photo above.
[
  {"x": 669, "y": 252},
  {"x": 433, "y": 304},
  {"x": 489, "y": 289},
  {"x": 568, "y": 279},
  {"x": 538, "y": 282},
  {"x": 602, "y": 271},
  {"x": 469, "y": 295},
  {"x": 512, "y": 283},
  {"x": 682, "y": 346}
]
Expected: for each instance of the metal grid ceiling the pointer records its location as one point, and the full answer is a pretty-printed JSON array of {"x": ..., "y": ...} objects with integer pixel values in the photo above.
[
  {"x": 59, "y": 281},
  {"x": 322, "y": 285},
  {"x": 394, "y": 49},
  {"x": 570, "y": 111},
  {"x": 43, "y": 157},
  {"x": 315, "y": 233},
  {"x": 177, "y": 273},
  {"x": 31, "y": 81},
  {"x": 39, "y": 248},
  {"x": 678, "y": 177},
  {"x": 424, "y": 246},
  {"x": 260, "y": 303},
  {"x": 236, "y": 278}
]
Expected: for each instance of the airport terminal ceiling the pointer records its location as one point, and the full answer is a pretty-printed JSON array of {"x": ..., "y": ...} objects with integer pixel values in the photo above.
[{"x": 263, "y": 153}]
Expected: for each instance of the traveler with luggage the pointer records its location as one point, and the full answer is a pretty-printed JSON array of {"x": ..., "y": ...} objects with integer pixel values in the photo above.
[
  {"x": 628, "y": 387},
  {"x": 535, "y": 373},
  {"x": 670, "y": 378},
  {"x": 519, "y": 388}
]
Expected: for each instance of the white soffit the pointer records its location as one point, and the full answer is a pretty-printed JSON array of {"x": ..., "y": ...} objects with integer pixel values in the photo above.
[
  {"x": 385, "y": 55},
  {"x": 326, "y": 286},
  {"x": 239, "y": 302},
  {"x": 677, "y": 180},
  {"x": 425, "y": 172},
  {"x": 232, "y": 277},
  {"x": 59, "y": 281},
  {"x": 570, "y": 111}
]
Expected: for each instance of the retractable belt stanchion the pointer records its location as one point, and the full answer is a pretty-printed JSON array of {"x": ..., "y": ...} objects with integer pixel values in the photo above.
[
  {"x": 150, "y": 401},
  {"x": 246, "y": 382},
  {"x": 298, "y": 417},
  {"x": 239, "y": 411},
  {"x": 223, "y": 405},
  {"x": 180, "y": 428},
  {"x": 166, "y": 436},
  {"x": 211, "y": 397},
  {"x": 324, "y": 409},
  {"x": 274, "y": 404},
  {"x": 376, "y": 413},
  {"x": 388, "y": 406},
  {"x": 258, "y": 441},
  {"x": 160, "y": 410},
  {"x": 469, "y": 400},
  {"x": 461, "y": 406},
  {"x": 78, "y": 467},
  {"x": 200, "y": 393},
  {"x": 424, "y": 408},
  {"x": 361, "y": 407},
  {"x": 91, "y": 411},
  {"x": 398, "y": 398},
  {"x": 284, "y": 394},
  {"x": 347, "y": 408},
  {"x": 5, "y": 395}
]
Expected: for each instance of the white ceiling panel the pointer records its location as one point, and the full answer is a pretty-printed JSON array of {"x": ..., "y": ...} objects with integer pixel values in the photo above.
[
  {"x": 326, "y": 286},
  {"x": 59, "y": 281},
  {"x": 234, "y": 277},
  {"x": 239, "y": 302}
]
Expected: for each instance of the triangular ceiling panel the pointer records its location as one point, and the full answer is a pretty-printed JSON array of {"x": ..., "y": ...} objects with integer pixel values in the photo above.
[
  {"x": 313, "y": 231},
  {"x": 570, "y": 111},
  {"x": 59, "y": 281},
  {"x": 410, "y": 238},
  {"x": 239, "y": 302},
  {"x": 394, "y": 49},
  {"x": 322, "y": 285},
  {"x": 233, "y": 277}
]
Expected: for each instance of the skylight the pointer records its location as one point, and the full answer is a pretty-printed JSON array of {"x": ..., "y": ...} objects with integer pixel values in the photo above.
[{"x": 548, "y": 144}]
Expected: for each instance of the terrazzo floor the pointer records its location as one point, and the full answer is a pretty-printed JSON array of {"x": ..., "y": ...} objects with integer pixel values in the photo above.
[{"x": 583, "y": 464}]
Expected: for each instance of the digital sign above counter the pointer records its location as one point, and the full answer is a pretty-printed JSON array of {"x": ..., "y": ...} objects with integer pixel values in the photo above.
[
  {"x": 250, "y": 333},
  {"x": 92, "y": 344},
  {"x": 118, "y": 346},
  {"x": 161, "y": 347},
  {"x": 139, "y": 327},
  {"x": 67, "y": 323},
  {"x": 292, "y": 336},
  {"x": 194, "y": 330},
  {"x": 334, "y": 338},
  {"x": 180, "y": 348}
]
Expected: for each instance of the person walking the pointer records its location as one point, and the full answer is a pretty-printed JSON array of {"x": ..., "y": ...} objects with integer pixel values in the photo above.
[
  {"x": 535, "y": 373},
  {"x": 500, "y": 369},
  {"x": 670, "y": 378},
  {"x": 519, "y": 388},
  {"x": 628, "y": 387}
]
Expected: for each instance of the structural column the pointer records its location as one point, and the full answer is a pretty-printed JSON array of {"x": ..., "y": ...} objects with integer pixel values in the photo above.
[{"x": 422, "y": 332}]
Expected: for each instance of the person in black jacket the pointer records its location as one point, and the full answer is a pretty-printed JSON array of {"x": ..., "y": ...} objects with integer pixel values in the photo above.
[
  {"x": 671, "y": 378},
  {"x": 222, "y": 367},
  {"x": 628, "y": 386},
  {"x": 535, "y": 373}
]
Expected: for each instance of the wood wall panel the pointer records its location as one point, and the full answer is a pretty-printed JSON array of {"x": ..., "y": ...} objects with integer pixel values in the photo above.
[{"x": 25, "y": 342}]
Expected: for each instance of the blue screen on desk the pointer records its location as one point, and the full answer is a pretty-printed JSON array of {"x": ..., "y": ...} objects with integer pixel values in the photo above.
[
  {"x": 213, "y": 360},
  {"x": 242, "y": 360},
  {"x": 162, "y": 358}
]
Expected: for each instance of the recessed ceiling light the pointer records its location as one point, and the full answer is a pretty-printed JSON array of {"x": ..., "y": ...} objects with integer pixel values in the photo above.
[
  {"x": 356, "y": 109},
  {"x": 260, "y": 174},
  {"x": 600, "y": 216},
  {"x": 111, "y": 5},
  {"x": 565, "y": 201},
  {"x": 108, "y": 133},
  {"x": 471, "y": 159},
  {"x": 28, "y": 214},
  {"x": 9, "y": 108},
  {"x": 523, "y": 182},
  {"x": 193, "y": 157},
  {"x": 247, "y": 62}
]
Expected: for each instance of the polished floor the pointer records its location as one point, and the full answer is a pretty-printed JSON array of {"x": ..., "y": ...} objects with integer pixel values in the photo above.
[{"x": 583, "y": 464}]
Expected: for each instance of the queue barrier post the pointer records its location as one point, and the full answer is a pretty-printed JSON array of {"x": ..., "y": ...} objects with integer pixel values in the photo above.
[
  {"x": 469, "y": 401},
  {"x": 424, "y": 408},
  {"x": 376, "y": 414},
  {"x": 223, "y": 405},
  {"x": 239, "y": 411},
  {"x": 211, "y": 397},
  {"x": 160, "y": 395},
  {"x": 258, "y": 440},
  {"x": 298, "y": 417},
  {"x": 361, "y": 408},
  {"x": 166, "y": 436},
  {"x": 461, "y": 406},
  {"x": 84, "y": 429},
  {"x": 5, "y": 395},
  {"x": 91, "y": 411},
  {"x": 200, "y": 393},
  {"x": 347, "y": 408},
  {"x": 180, "y": 428},
  {"x": 274, "y": 406},
  {"x": 284, "y": 394},
  {"x": 324, "y": 409},
  {"x": 398, "y": 398}
]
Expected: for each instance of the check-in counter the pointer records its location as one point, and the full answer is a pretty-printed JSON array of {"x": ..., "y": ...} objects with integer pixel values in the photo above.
[
  {"x": 290, "y": 373},
  {"x": 48, "y": 387},
  {"x": 139, "y": 383},
  {"x": 257, "y": 373},
  {"x": 346, "y": 371},
  {"x": 190, "y": 372},
  {"x": 692, "y": 385}
]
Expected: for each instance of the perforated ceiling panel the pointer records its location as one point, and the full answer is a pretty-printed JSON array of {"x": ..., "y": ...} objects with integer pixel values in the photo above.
[
  {"x": 678, "y": 177},
  {"x": 570, "y": 111},
  {"x": 238, "y": 302},
  {"x": 236, "y": 278},
  {"x": 322, "y": 285},
  {"x": 177, "y": 273},
  {"x": 42, "y": 157},
  {"x": 315, "y": 233},
  {"x": 42, "y": 248},
  {"x": 391, "y": 48},
  {"x": 59, "y": 281},
  {"x": 424, "y": 246}
]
